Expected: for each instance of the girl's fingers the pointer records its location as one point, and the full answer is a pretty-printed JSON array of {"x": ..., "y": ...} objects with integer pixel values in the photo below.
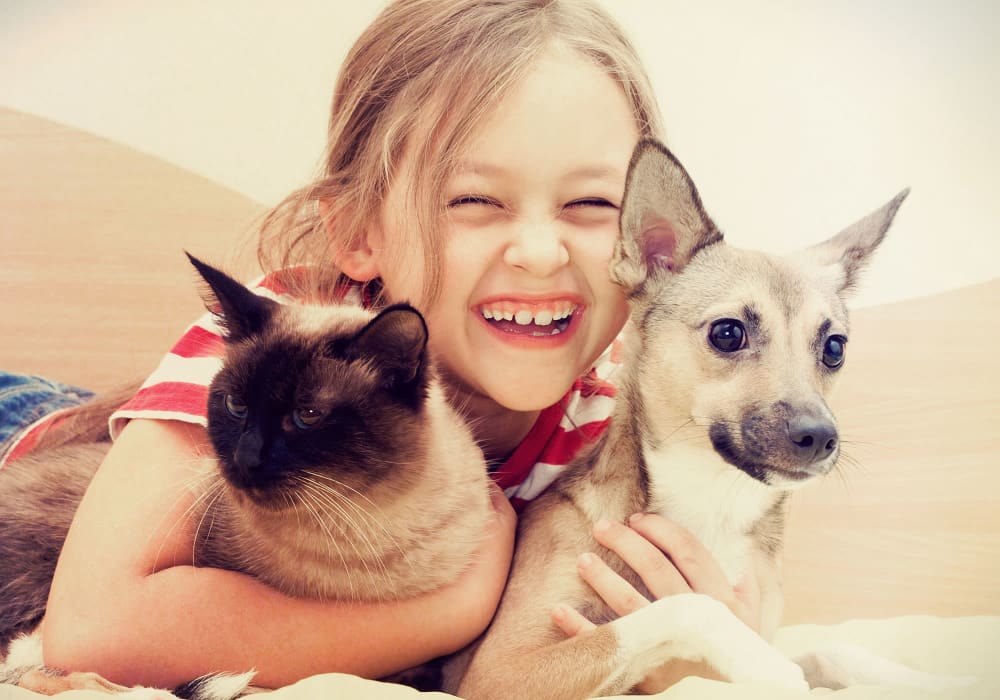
[
  {"x": 644, "y": 557},
  {"x": 695, "y": 563},
  {"x": 618, "y": 593},
  {"x": 570, "y": 621}
]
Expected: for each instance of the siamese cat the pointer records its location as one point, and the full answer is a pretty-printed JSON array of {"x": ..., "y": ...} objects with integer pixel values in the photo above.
[{"x": 340, "y": 470}]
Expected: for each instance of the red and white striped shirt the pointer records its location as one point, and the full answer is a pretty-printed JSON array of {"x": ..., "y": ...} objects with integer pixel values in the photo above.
[{"x": 178, "y": 390}]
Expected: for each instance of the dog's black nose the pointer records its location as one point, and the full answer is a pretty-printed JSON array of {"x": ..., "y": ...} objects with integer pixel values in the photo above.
[{"x": 814, "y": 438}]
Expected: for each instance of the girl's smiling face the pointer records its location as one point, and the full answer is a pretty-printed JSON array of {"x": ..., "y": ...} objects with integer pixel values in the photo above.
[{"x": 526, "y": 303}]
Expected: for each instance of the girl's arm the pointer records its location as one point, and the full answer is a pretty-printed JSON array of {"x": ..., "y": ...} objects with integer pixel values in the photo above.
[{"x": 120, "y": 606}]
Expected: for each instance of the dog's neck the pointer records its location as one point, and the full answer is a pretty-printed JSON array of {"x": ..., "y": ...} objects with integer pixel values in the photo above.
[
  {"x": 718, "y": 503},
  {"x": 686, "y": 482}
]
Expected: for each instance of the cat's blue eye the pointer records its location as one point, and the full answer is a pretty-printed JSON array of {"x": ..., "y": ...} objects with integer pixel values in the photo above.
[
  {"x": 236, "y": 407},
  {"x": 305, "y": 418}
]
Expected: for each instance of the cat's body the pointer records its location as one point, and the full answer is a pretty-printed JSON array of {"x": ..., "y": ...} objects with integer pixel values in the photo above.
[
  {"x": 386, "y": 541},
  {"x": 37, "y": 503},
  {"x": 341, "y": 472}
]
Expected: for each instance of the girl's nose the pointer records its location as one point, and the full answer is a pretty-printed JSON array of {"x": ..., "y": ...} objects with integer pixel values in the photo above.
[{"x": 538, "y": 249}]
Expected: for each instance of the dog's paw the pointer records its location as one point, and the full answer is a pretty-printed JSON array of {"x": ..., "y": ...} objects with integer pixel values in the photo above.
[
  {"x": 765, "y": 664},
  {"x": 694, "y": 627}
]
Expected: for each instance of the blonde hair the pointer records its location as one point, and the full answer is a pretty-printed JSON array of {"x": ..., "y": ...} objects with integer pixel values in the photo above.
[{"x": 422, "y": 77}]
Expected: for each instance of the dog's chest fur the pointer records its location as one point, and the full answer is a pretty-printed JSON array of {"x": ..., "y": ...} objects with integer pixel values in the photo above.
[{"x": 723, "y": 507}]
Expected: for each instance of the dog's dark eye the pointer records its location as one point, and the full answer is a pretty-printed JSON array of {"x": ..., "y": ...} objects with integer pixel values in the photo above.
[
  {"x": 305, "y": 418},
  {"x": 236, "y": 407},
  {"x": 727, "y": 335},
  {"x": 833, "y": 351}
]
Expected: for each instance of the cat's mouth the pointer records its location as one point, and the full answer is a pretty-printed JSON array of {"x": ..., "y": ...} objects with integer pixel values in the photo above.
[
  {"x": 271, "y": 498},
  {"x": 536, "y": 320}
]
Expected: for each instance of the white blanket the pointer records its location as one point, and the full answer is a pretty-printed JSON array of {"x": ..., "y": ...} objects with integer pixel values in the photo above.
[{"x": 960, "y": 646}]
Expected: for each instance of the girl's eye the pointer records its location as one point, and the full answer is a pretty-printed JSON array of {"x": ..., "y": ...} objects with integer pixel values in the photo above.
[
  {"x": 727, "y": 335},
  {"x": 235, "y": 406},
  {"x": 591, "y": 202},
  {"x": 466, "y": 199},
  {"x": 305, "y": 418},
  {"x": 833, "y": 351}
]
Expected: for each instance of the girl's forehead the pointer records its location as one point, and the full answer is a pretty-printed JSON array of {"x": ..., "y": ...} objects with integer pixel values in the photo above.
[{"x": 566, "y": 113}]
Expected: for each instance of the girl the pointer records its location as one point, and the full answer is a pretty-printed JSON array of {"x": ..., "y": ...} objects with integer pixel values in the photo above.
[{"x": 476, "y": 161}]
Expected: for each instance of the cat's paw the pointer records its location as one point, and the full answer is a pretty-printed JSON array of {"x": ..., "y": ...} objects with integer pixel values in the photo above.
[{"x": 46, "y": 682}]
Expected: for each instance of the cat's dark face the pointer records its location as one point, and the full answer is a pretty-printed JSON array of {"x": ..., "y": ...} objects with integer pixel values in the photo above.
[{"x": 327, "y": 396}]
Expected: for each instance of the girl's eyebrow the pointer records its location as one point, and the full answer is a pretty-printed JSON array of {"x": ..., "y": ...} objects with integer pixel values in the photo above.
[{"x": 591, "y": 172}]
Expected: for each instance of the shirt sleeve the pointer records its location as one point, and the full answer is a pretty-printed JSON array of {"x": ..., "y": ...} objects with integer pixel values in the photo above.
[{"x": 178, "y": 388}]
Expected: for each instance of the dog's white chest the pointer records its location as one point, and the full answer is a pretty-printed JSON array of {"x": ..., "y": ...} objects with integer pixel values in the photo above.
[{"x": 715, "y": 501}]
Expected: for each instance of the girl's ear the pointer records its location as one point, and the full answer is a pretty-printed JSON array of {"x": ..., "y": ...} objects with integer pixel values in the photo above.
[{"x": 358, "y": 262}]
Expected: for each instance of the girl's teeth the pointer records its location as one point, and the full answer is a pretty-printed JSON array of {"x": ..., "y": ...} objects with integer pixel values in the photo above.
[
  {"x": 543, "y": 318},
  {"x": 525, "y": 317}
]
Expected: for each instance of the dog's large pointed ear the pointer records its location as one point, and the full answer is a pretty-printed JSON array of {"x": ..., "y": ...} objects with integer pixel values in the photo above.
[
  {"x": 239, "y": 312},
  {"x": 663, "y": 223},
  {"x": 845, "y": 255}
]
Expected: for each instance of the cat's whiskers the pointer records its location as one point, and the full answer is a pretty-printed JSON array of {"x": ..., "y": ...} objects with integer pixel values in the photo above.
[
  {"x": 332, "y": 544},
  {"x": 378, "y": 521},
  {"x": 331, "y": 497},
  {"x": 215, "y": 491},
  {"x": 197, "y": 485},
  {"x": 471, "y": 422}
]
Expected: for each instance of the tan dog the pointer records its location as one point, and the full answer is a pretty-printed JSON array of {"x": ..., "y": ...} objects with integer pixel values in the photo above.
[{"x": 721, "y": 412}]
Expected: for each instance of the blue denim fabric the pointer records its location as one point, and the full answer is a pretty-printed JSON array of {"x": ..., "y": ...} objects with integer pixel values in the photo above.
[{"x": 24, "y": 399}]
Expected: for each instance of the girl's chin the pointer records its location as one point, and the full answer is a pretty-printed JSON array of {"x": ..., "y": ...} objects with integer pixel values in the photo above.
[{"x": 528, "y": 394}]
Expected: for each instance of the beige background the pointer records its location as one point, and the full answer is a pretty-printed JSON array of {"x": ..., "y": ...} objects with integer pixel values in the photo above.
[{"x": 794, "y": 117}]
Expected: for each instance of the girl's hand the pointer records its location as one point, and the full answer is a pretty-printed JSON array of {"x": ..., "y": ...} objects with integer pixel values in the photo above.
[{"x": 669, "y": 560}]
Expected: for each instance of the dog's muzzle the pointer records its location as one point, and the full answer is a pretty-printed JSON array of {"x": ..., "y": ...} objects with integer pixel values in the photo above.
[{"x": 779, "y": 442}]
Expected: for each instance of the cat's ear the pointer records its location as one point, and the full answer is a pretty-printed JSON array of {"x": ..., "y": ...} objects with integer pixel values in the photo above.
[
  {"x": 396, "y": 341},
  {"x": 239, "y": 312},
  {"x": 843, "y": 257},
  {"x": 663, "y": 223}
]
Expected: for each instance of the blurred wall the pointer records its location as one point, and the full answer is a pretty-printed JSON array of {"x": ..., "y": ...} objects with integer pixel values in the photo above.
[{"x": 794, "y": 117}]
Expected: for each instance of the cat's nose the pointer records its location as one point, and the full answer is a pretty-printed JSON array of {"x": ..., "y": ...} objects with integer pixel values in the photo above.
[{"x": 247, "y": 456}]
